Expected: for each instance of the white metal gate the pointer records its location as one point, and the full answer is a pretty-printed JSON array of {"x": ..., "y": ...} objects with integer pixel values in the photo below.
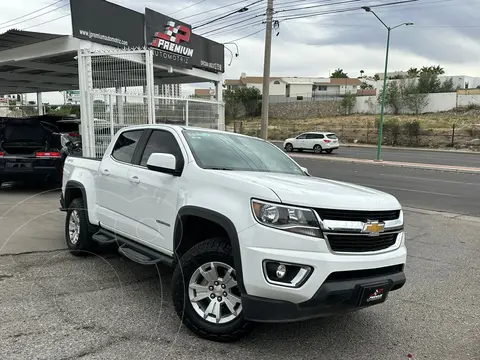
[{"x": 117, "y": 89}]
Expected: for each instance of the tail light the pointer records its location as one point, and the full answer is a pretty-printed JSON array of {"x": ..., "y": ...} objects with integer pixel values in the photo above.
[
  {"x": 327, "y": 141},
  {"x": 2, "y": 153},
  {"x": 50, "y": 154},
  {"x": 74, "y": 134}
]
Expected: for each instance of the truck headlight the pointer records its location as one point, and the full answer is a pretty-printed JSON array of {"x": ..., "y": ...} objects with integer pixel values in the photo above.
[{"x": 289, "y": 218}]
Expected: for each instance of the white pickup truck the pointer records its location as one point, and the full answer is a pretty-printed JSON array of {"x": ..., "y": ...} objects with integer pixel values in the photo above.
[{"x": 253, "y": 237}]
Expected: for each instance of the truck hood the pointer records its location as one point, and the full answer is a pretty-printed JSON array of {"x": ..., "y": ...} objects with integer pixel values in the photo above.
[{"x": 318, "y": 192}]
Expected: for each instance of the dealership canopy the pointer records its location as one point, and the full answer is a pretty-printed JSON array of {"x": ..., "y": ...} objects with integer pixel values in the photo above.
[{"x": 41, "y": 62}]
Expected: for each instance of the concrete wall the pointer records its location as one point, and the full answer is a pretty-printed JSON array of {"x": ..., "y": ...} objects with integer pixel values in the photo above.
[
  {"x": 465, "y": 100},
  {"x": 304, "y": 109},
  {"x": 436, "y": 103}
]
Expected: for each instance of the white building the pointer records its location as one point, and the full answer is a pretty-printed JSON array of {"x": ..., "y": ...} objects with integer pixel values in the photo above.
[
  {"x": 297, "y": 88},
  {"x": 168, "y": 90}
]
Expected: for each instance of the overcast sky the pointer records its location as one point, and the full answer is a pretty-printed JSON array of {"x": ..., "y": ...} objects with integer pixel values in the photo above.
[{"x": 445, "y": 33}]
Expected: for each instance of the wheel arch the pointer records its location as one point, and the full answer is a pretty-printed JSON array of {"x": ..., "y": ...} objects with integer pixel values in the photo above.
[{"x": 216, "y": 218}]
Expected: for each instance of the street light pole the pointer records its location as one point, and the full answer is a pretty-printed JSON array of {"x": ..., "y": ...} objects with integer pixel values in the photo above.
[{"x": 382, "y": 106}]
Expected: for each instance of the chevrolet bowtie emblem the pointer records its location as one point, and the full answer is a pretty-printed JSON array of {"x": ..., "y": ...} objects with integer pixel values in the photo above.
[{"x": 373, "y": 227}]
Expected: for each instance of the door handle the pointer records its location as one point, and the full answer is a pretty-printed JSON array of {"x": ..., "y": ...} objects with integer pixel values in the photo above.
[
  {"x": 105, "y": 172},
  {"x": 134, "y": 180}
]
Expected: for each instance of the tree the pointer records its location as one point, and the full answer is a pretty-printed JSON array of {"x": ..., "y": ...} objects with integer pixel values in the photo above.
[
  {"x": 339, "y": 74},
  {"x": 233, "y": 105},
  {"x": 414, "y": 99},
  {"x": 413, "y": 72},
  {"x": 250, "y": 98},
  {"x": 348, "y": 102},
  {"x": 376, "y": 77},
  {"x": 393, "y": 97},
  {"x": 447, "y": 86},
  {"x": 366, "y": 86},
  {"x": 428, "y": 83}
]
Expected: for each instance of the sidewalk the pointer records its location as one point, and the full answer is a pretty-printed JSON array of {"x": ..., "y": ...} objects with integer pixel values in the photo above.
[{"x": 447, "y": 168}]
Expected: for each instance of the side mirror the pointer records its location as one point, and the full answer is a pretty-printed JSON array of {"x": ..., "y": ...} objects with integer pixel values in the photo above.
[
  {"x": 165, "y": 163},
  {"x": 305, "y": 170}
]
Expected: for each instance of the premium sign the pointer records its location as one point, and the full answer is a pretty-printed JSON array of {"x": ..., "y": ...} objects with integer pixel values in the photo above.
[
  {"x": 172, "y": 38},
  {"x": 176, "y": 45}
]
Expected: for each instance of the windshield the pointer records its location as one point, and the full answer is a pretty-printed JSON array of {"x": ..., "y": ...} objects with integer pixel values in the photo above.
[{"x": 233, "y": 152}]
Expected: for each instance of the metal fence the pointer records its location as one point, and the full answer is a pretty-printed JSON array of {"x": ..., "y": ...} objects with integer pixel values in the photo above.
[
  {"x": 119, "y": 90},
  {"x": 190, "y": 112}
]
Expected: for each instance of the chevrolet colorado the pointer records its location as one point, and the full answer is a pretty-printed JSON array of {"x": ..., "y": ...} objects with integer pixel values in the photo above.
[{"x": 252, "y": 236}]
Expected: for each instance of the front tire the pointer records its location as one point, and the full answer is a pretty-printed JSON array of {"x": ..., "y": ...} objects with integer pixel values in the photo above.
[
  {"x": 317, "y": 149},
  {"x": 289, "y": 147},
  {"x": 77, "y": 234},
  {"x": 205, "y": 292}
]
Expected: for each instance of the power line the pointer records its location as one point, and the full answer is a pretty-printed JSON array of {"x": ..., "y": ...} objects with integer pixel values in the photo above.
[
  {"x": 237, "y": 28},
  {"x": 242, "y": 9},
  {"x": 46, "y": 22},
  {"x": 37, "y": 16},
  {"x": 33, "y": 12},
  {"x": 214, "y": 9},
  {"x": 228, "y": 25},
  {"x": 246, "y": 36},
  {"x": 247, "y": 15},
  {"x": 317, "y": 6},
  {"x": 186, "y": 7},
  {"x": 336, "y": 11}
]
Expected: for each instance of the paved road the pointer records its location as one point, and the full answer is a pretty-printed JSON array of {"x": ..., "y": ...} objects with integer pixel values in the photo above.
[
  {"x": 407, "y": 155},
  {"x": 424, "y": 189},
  {"x": 55, "y": 306}
]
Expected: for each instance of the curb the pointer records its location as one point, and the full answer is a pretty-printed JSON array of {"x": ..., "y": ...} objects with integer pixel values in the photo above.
[
  {"x": 444, "y": 168},
  {"x": 412, "y": 149}
]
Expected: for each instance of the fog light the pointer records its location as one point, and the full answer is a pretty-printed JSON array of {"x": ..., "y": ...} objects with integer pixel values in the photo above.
[
  {"x": 286, "y": 274},
  {"x": 281, "y": 271}
]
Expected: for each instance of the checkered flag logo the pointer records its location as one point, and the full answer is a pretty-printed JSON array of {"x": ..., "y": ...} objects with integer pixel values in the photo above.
[{"x": 171, "y": 31}]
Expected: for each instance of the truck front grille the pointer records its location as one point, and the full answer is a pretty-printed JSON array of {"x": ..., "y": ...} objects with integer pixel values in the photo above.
[
  {"x": 354, "y": 215},
  {"x": 360, "y": 243}
]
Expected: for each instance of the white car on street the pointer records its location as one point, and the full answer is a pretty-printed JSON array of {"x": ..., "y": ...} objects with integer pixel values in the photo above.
[{"x": 314, "y": 140}]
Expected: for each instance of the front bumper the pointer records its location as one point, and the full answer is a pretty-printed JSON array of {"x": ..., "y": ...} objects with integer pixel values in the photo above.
[
  {"x": 259, "y": 243},
  {"x": 331, "y": 298}
]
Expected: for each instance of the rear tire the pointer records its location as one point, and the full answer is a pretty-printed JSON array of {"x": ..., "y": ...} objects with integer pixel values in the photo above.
[
  {"x": 329, "y": 151},
  {"x": 212, "y": 292},
  {"x": 317, "y": 149},
  {"x": 77, "y": 235}
]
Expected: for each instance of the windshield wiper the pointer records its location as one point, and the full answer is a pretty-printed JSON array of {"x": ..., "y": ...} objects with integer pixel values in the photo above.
[{"x": 218, "y": 168}]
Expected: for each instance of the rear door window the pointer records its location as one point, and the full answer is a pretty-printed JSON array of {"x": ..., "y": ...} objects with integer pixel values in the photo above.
[{"x": 125, "y": 146}]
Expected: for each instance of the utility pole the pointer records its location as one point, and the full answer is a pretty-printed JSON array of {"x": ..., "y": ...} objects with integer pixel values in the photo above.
[{"x": 266, "y": 71}]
